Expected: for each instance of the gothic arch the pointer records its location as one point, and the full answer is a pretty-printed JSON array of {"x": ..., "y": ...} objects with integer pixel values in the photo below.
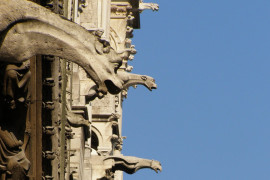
[{"x": 97, "y": 134}]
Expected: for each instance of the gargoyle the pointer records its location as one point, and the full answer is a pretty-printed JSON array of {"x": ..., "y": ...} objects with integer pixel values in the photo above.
[
  {"x": 130, "y": 164},
  {"x": 143, "y": 6},
  {"x": 27, "y": 29},
  {"x": 131, "y": 79},
  {"x": 128, "y": 79},
  {"x": 76, "y": 120},
  {"x": 117, "y": 142}
]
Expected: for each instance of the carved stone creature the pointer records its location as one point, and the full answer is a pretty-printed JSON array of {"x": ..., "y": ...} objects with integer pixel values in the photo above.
[
  {"x": 117, "y": 142},
  {"x": 76, "y": 120},
  {"x": 143, "y": 6},
  {"x": 131, "y": 79},
  {"x": 27, "y": 29},
  {"x": 130, "y": 164}
]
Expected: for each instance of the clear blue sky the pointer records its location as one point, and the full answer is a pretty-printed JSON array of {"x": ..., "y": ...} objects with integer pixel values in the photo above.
[{"x": 209, "y": 119}]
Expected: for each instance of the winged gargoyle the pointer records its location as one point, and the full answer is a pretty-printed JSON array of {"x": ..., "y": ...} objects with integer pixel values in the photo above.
[
  {"x": 27, "y": 29},
  {"x": 130, "y": 164}
]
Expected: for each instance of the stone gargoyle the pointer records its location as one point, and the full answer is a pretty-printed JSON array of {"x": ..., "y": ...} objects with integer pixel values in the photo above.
[
  {"x": 129, "y": 79},
  {"x": 130, "y": 164},
  {"x": 75, "y": 120},
  {"x": 28, "y": 29},
  {"x": 152, "y": 6}
]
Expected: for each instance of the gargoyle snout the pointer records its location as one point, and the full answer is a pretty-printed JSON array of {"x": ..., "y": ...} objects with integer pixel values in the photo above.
[
  {"x": 149, "y": 82},
  {"x": 157, "y": 169},
  {"x": 156, "y": 166},
  {"x": 154, "y": 86}
]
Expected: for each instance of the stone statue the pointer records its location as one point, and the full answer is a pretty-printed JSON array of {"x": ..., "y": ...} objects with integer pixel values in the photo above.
[
  {"x": 14, "y": 122},
  {"x": 13, "y": 163},
  {"x": 16, "y": 83}
]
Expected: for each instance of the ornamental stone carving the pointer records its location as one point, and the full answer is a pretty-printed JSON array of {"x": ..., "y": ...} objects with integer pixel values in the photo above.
[
  {"x": 131, "y": 79},
  {"x": 143, "y": 6},
  {"x": 131, "y": 164},
  {"x": 128, "y": 164}
]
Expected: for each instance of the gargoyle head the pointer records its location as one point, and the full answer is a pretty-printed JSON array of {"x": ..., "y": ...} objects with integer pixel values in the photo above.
[
  {"x": 149, "y": 82},
  {"x": 131, "y": 79},
  {"x": 154, "y": 6},
  {"x": 156, "y": 166}
]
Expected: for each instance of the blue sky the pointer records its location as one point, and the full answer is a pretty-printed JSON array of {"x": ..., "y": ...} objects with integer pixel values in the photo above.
[{"x": 209, "y": 117}]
